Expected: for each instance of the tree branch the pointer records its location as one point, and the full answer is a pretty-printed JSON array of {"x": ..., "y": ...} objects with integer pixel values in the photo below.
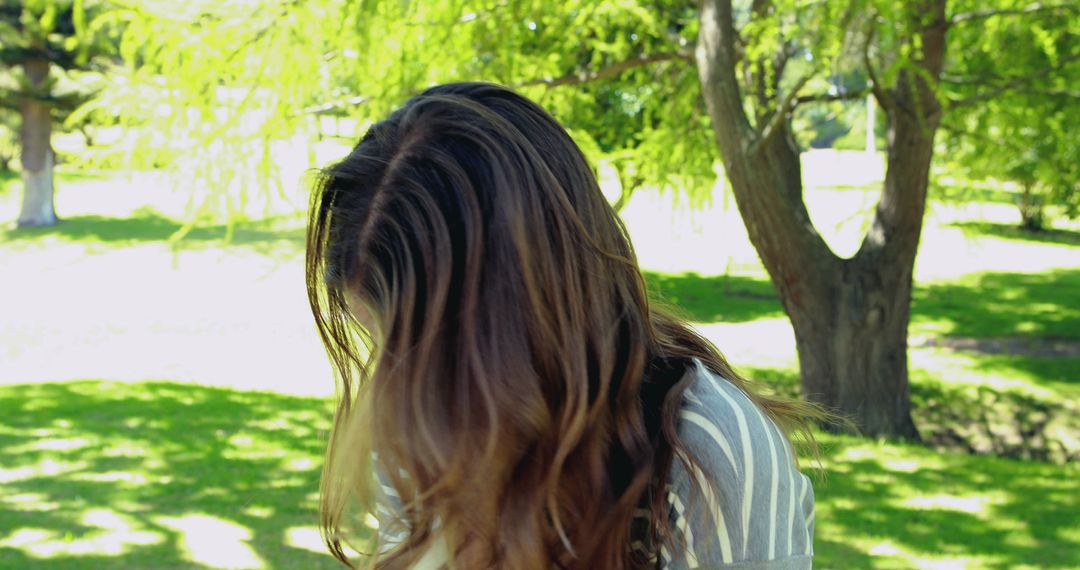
[
  {"x": 880, "y": 94},
  {"x": 1029, "y": 9},
  {"x": 776, "y": 122},
  {"x": 612, "y": 70}
]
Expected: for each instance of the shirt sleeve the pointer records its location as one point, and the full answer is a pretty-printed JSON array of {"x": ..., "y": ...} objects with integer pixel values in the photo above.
[
  {"x": 387, "y": 508},
  {"x": 763, "y": 514}
]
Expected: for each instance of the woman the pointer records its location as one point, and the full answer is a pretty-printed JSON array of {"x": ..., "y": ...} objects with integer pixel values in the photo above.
[{"x": 505, "y": 375}]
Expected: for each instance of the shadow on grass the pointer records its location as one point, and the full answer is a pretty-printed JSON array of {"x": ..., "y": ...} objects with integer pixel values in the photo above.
[
  {"x": 158, "y": 475},
  {"x": 1055, "y": 372},
  {"x": 965, "y": 194},
  {"x": 147, "y": 226},
  {"x": 715, "y": 299},
  {"x": 939, "y": 506},
  {"x": 980, "y": 305},
  {"x": 978, "y": 419},
  {"x": 241, "y": 469},
  {"x": 1007, "y": 231},
  {"x": 1005, "y": 423},
  {"x": 1002, "y": 304}
]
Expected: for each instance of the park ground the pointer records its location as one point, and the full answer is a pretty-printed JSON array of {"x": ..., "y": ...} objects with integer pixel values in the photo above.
[{"x": 166, "y": 407}]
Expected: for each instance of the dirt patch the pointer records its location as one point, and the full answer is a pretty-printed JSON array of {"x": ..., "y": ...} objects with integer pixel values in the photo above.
[{"x": 1010, "y": 345}]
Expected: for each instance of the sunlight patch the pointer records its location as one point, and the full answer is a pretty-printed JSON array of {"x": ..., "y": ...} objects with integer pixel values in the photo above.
[
  {"x": 44, "y": 468},
  {"x": 302, "y": 464},
  {"x": 1069, "y": 534},
  {"x": 57, "y": 444},
  {"x": 137, "y": 479},
  {"x": 30, "y": 502},
  {"x": 274, "y": 424},
  {"x": 971, "y": 504},
  {"x": 308, "y": 538},
  {"x": 903, "y": 465},
  {"x": 246, "y": 447},
  {"x": 214, "y": 542},
  {"x": 887, "y": 548},
  {"x": 126, "y": 449},
  {"x": 115, "y": 534},
  {"x": 281, "y": 483},
  {"x": 259, "y": 512},
  {"x": 305, "y": 538},
  {"x": 950, "y": 368}
]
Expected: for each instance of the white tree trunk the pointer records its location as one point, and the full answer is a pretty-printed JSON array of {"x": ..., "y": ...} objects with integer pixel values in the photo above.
[
  {"x": 38, "y": 159},
  {"x": 37, "y": 206}
]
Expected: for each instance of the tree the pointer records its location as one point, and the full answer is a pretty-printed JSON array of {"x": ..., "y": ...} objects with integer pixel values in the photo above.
[
  {"x": 41, "y": 41},
  {"x": 1014, "y": 113},
  {"x": 850, "y": 315},
  {"x": 753, "y": 61},
  {"x": 659, "y": 87}
]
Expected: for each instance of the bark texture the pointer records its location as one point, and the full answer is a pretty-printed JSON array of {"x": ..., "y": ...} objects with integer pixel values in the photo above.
[
  {"x": 850, "y": 316},
  {"x": 35, "y": 138}
]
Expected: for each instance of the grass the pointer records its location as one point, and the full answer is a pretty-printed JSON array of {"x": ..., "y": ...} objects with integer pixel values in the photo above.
[
  {"x": 265, "y": 236},
  {"x": 1001, "y": 304},
  {"x": 713, "y": 299},
  {"x": 969, "y": 193},
  {"x": 985, "y": 406},
  {"x": 158, "y": 475},
  {"x": 165, "y": 475},
  {"x": 896, "y": 506},
  {"x": 1014, "y": 232},
  {"x": 1045, "y": 305}
]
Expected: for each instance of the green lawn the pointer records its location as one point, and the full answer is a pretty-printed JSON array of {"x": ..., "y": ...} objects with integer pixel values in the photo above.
[
  {"x": 159, "y": 475},
  {"x": 893, "y": 506},
  {"x": 165, "y": 475},
  {"x": 182, "y": 465},
  {"x": 267, "y": 236},
  {"x": 979, "y": 305}
]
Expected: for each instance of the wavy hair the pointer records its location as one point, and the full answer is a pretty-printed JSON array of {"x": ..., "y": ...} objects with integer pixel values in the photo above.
[{"x": 484, "y": 311}]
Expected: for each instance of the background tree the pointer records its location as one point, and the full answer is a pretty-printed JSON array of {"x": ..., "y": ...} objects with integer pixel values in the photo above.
[
  {"x": 753, "y": 60},
  {"x": 647, "y": 85},
  {"x": 43, "y": 46},
  {"x": 1014, "y": 113}
]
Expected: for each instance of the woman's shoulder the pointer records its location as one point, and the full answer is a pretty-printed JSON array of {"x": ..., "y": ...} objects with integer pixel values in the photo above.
[
  {"x": 764, "y": 513},
  {"x": 714, "y": 404}
]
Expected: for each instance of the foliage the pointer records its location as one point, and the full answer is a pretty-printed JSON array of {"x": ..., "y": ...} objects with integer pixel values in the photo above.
[
  {"x": 211, "y": 89},
  {"x": 59, "y": 32},
  {"x": 9, "y": 148},
  {"x": 1014, "y": 112},
  {"x": 216, "y": 91}
]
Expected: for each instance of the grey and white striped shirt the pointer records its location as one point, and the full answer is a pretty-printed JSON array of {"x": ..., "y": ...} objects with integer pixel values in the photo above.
[{"x": 763, "y": 518}]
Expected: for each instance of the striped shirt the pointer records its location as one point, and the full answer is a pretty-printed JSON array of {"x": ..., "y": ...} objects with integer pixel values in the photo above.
[{"x": 763, "y": 518}]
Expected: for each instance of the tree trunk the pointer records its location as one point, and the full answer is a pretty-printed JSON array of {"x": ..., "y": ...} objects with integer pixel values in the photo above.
[
  {"x": 850, "y": 316},
  {"x": 628, "y": 183},
  {"x": 852, "y": 346},
  {"x": 37, "y": 156},
  {"x": 1031, "y": 209}
]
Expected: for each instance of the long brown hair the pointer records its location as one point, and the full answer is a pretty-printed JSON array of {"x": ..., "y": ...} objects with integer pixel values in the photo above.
[{"x": 484, "y": 310}]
